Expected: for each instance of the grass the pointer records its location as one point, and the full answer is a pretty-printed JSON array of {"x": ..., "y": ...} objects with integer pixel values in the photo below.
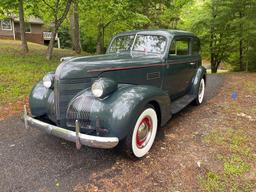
[
  {"x": 19, "y": 72},
  {"x": 236, "y": 162}
]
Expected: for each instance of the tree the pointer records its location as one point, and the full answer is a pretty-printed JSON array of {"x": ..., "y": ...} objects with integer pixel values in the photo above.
[
  {"x": 209, "y": 20},
  {"x": 54, "y": 11},
  {"x": 74, "y": 27},
  {"x": 24, "y": 44},
  {"x": 159, "y": 13},
  {"x": 99, "y": 15}
]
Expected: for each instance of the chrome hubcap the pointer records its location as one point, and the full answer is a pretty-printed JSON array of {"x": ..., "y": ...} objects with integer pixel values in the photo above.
[{"x": 144, "y": 132}]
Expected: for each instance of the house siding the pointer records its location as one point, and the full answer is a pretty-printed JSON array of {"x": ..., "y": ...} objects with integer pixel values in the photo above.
[{"x": 35, "y": 36}]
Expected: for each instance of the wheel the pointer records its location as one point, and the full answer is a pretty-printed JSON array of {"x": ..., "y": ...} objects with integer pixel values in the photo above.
[
  {"x": 142, "y": 136},
  {"x": 201, "y": 92}
]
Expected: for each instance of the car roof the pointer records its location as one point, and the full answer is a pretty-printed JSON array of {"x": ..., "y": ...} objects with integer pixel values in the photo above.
[{"x": 166, "y": 32}]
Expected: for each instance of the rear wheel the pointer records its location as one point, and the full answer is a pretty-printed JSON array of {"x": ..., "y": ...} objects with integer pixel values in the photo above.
[
  {"x": 141, "y": 138},
  {"x": 201, "y": 92}
]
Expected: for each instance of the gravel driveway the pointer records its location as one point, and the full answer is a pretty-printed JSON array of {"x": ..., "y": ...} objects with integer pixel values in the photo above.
[{"x": 31, "y": 160}]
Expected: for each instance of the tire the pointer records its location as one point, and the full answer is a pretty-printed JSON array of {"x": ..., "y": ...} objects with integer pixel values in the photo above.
[
  {"x": 142, "y": 136},
  {"x": 200, "y": 93}
]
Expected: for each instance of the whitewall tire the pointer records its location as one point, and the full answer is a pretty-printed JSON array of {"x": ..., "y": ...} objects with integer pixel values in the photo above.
[
  {"x": 144, "y": 132},
  {"x": 200, "y": 93},
  {"x": 142, "y": 136}
]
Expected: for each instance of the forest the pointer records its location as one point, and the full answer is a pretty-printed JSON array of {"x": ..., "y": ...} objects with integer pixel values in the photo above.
[{"x": 227, "y": 29}]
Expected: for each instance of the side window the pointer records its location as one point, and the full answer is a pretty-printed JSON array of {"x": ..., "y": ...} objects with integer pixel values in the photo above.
[
  {"x": 179, "y": 47},
  {"x": 195, "y": 47}
]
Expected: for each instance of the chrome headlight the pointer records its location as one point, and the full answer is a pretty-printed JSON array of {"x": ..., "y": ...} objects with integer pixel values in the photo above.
[
  {"x": 48, "y": 80},
  {"x": 103, "y": 87}
]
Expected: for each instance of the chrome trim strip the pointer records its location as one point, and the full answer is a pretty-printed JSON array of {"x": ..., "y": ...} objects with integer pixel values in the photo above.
[{"x": 87, "y": 140}]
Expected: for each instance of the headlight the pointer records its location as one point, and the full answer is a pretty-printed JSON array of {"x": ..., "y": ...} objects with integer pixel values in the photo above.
[
  {"x": 97, "y": 89},
  {"x": 103, "y": 87},
  {"x": 48, "y": 80}
]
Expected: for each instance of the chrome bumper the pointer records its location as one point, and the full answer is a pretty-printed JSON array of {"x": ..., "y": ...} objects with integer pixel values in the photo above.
[{"x": 74, "y": 136}]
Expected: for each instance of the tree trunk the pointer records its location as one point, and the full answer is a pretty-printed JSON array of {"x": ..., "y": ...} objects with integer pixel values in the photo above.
[
  {"x": 241, "y": 52},
  {"x": 214, "y": 67},
  {"x": 75, "y": 31},
  {"x": 99, "y": 46},
  {"x": 24, "y": 44},
  {"x": 212, "y": 41},
  {"x": 51, "y": 44},
  {"x": 241, "y": 56}
]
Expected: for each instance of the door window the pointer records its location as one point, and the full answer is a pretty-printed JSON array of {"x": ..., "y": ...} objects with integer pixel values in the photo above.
[{"x": 180, "y": 47}]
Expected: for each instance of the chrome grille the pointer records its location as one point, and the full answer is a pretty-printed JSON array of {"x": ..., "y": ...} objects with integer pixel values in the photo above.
[
  {"x": 79, "y": 109},
  {"x": 64, "y": 92}
]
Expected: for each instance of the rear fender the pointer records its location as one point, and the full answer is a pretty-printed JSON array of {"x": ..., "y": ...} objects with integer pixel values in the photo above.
[{"x": 201, "y": 73}]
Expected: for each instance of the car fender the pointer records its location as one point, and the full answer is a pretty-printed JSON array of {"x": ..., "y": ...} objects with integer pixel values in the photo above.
[
  {"x": 119, "y": 111},
  {"x": 38, "y": 99},
  {"x": 200, "y": 73}
]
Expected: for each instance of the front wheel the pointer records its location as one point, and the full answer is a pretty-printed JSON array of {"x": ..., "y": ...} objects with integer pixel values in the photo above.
[
  {"x": 142, "y": 136},
  {"x": 201, "y": 92}
]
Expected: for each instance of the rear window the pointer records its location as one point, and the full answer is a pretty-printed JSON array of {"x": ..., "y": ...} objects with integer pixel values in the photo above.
[{"x": 195, "y": 47}]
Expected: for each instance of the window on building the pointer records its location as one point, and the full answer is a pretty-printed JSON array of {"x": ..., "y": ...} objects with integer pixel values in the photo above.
[
  {"x": 6, "y": 25},
  {"x": 28, "y": 28},
  {"x": 180, "y": 47}
]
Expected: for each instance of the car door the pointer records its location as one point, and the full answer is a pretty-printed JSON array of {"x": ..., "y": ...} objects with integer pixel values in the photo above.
[{"x": 180, "y": 67}]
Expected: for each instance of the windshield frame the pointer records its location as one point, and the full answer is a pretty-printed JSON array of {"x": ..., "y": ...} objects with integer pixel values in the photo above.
[{"x": 135, "y": 36}]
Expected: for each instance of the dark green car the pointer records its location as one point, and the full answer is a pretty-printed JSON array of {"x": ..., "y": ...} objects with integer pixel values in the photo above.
[{"x": 122, "y": 97}]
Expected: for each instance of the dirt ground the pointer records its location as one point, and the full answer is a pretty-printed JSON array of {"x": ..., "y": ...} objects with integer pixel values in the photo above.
[{"x": 207, "y": 148}]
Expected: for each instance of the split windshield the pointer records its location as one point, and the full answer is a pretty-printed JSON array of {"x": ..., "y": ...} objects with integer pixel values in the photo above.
[{"x": 139, "y": 43}]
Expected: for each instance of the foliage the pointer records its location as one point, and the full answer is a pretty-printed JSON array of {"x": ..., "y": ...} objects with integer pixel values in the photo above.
[{"x": 226, "y": 28}]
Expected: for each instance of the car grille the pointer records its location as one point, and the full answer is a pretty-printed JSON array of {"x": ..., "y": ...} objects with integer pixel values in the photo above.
[
  {"x": 64, "y": 92},
  {"x": 79, "y": 109}
]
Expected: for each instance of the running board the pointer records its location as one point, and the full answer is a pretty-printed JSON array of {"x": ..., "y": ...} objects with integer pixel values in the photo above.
[{"x": 180, "y": 103}]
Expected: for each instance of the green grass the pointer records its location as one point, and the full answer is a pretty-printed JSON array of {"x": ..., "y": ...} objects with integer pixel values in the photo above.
[
  {"x": 19, "y": 72},
  {"x": 236, "y": 162}
]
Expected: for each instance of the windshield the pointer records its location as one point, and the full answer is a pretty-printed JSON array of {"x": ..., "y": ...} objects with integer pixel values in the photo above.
[
  {"x": 121, "y": 44},
  {"x": 141, "y": 43}
]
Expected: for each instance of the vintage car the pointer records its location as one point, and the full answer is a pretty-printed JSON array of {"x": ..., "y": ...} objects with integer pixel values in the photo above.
[{"x": 121, "y": 98}]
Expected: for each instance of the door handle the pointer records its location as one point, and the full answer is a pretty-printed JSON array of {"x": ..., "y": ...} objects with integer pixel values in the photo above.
[{"x": 192, "y": 63}]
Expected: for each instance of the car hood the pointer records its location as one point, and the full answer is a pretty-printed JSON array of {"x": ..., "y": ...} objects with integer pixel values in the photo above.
[{"x": 92, "y": 66}]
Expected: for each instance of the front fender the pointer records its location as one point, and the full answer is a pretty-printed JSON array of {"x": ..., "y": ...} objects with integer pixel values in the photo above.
[
  {"x": 118, "y": 112},
  {"x": 38, "y": 99}
]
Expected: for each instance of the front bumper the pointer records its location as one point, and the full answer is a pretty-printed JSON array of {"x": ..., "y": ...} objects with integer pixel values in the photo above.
[{"x": 73, "y": 136}]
